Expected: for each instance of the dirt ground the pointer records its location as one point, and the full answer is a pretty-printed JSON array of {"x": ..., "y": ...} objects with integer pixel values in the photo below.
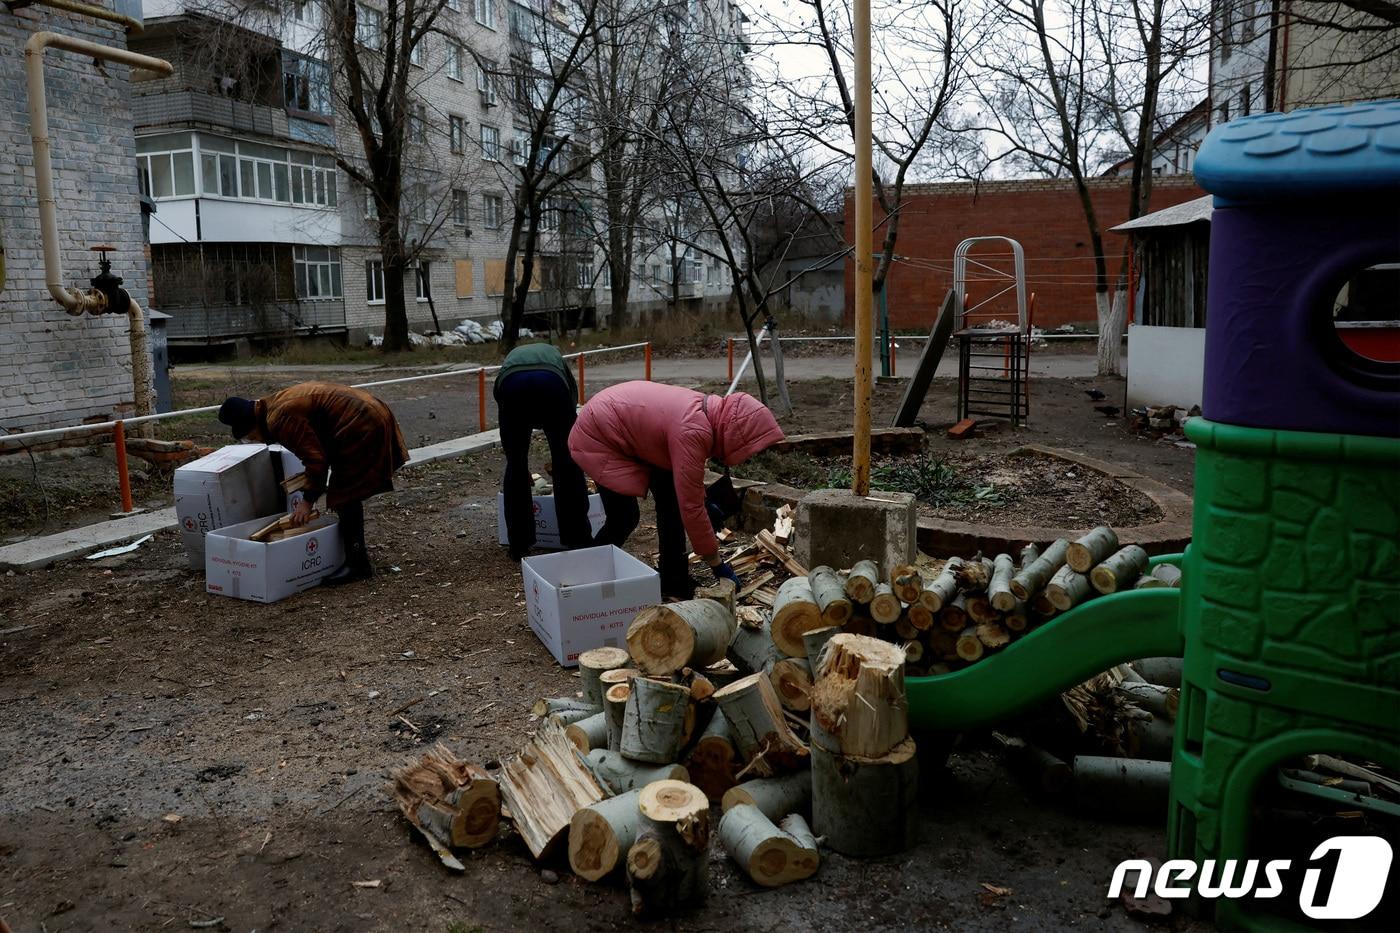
[{"x": 167, "y": 756}]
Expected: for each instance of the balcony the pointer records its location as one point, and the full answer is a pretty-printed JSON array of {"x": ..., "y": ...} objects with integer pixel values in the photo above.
[
  {"x": 177, "y": 108},
  {"x": 194, "y": 325}
]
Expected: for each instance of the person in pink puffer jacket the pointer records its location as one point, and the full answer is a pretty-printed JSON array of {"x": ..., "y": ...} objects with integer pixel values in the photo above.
[{"x": 641, "y": 436}]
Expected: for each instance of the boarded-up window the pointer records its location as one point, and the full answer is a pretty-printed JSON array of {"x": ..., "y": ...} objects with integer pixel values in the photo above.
[
  {"x": 496, "y": 275},
  {"x": 464, "y": 278}
]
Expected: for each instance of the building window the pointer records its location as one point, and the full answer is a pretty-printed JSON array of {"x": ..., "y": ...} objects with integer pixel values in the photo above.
[
  {"x": 519, "y": 22},
  {"x": 583, "y": 273},
  {"x": 317, "y": 270},
  {"x": 549, "y": 218},
  {"x": 485, "y": 85},
  {"x": 165, "y": 165},
  {"x": 1227, "y": 28},
  {"x": 306, "y": 85},
  {"x": 308, "y": 12},
  {"x": 454, "y": 60},
  {"x": 313, "y": 179},
  {"x": 419, "y": 53},
  {"x": 371, "y": 206},
  {"x": 486, "y": 13},
  {"x": 1225, "y": 112},
  {"x": 490, "y": 144},
  {"x": 491, "y": 211},
  {"x": 1244, "y": 100},
  {"x": 519, "y": 146},
  {"x": 418, "y": 123},
  {"x": 1247, "y": 21},
  {"x": 422, "y": 281},
  {"x": 374, "y": 282},
  {"x": 369, "y": 27},
  {"x": 459, "y": 207},
  {"x": 453, "y": 5},
  {"x": 456, "y": 133}
]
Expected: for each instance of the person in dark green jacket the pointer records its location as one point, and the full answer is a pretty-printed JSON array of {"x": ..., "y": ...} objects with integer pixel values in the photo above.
[{"x": 536, "y": 389}]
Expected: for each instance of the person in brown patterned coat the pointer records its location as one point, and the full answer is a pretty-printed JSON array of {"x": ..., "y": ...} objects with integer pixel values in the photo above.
[{"x": 349, "y": 443}]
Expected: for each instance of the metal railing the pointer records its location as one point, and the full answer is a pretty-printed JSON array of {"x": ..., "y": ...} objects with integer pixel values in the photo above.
[{"x": 118, "y": 427}]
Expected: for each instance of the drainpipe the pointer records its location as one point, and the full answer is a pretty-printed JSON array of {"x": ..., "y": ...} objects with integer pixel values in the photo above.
[{"x": 73, "y": 300}]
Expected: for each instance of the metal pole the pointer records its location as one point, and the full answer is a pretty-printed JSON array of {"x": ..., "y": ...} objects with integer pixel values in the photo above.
[
  {"x": 582, "y": 394},
  {"x": 123, "y": 477},
  {"x": 646, "y": 354},
  {"x": 860, "y": 454}
]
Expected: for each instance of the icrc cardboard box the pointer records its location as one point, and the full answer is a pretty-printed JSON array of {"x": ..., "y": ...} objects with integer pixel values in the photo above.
[
  {"x": 233, "y": 484},
  {"x": 265, "y": 573},
  {"x": 577, "y": 600},
  {"x": 546, "y": 519}
]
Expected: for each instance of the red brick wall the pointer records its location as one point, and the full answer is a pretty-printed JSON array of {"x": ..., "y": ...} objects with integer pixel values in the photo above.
[{"x": 1043, "y": 215}]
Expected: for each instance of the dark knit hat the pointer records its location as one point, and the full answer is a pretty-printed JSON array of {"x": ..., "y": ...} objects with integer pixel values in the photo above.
[{"x": 238, "y": 414}]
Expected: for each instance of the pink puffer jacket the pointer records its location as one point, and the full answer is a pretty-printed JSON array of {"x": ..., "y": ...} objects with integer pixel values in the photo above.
[{"x": 627, "y": 430}]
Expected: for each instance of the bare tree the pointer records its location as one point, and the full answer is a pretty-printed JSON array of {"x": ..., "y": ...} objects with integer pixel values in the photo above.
[{"x": 1068, "y": 86}]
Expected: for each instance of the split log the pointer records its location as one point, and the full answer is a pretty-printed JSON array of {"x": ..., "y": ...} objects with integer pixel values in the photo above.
[
  {"x": 815, "y": 640},
  {"x": 999, "y": 589},
  {"x": 792, "y": 682},
  {"x": 653, "y": 724},
  {"x": 752, "y": 651},
  {"x": 943, "y": 588},
  {"x": 758, "y": 727},
  {"x": 858, "y": 703},
  {"x": 979, "y": 609},
  {"x": 622, "y": 774},
  {"x": 907, "y": 583},
  {"x": 1068, "y": 588},
  {"x": 1017, "y": 618},
  {"x": 829, "y": 590},
  {"x": 722, "y": 592},
  {"x": 544, "y": 786},
  {"x": 1156, "y": 699},
  {"x": 692, "y": 633},
  {"x": 974, "y": 575},
  {"x": 862, "y": 581},
  {"x": 588, "y": 734},
  {"x": 993, "y": 635},
  {"x": 1029, "y": 553},
  {"x": 1089, "y": 550},
  {"x": 722, "y": 673},
  {"x": 453, "y": 801},
  {"x": 776, "y": 797},
  {"x": 1044, "y": 773},
  {"x": 904, "y": 629},
  {"x": 919, "y": 617},
  {"x": 953, "y": 616},
  {"x": 1032, "y": 579},
  {"x": 592, "y": 664},
  {"x": 1159, "y": 670},
  {"x": 769, "y": 855},
  {"x": 866, "y": 807},
  {"x": 701, "y": 687},
  {"x": 1122, "y": 786},
  {"x": 940, "y": 644},
  {"x": 968, "y": 646},
  {"x": 553, "y": 706},
  {"x": 1119, "y": 570},
  {"x": 614, "y": 712},
  {"x": 765, "y": 540},
  {"x": 795, "y": 611},
  {"x": 713, "y": 762},
  {"x": 618, "y": 675},
  {"x": 885, "y": 607},
  {"x": 913, "y": 651},
  {"x": 601, "y": 833},
  {"x": 666, "y": 865}
]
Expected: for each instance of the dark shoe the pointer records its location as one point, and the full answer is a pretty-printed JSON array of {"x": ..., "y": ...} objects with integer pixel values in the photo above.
[
  {"x": 678, "y": 589},
  {"x": 357, "y": 567}
]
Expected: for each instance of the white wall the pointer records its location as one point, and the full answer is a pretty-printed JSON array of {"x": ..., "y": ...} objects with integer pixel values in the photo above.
[{"x": 1166, "y": 365}]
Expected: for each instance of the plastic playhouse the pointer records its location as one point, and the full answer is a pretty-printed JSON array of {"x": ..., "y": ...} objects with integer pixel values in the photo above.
[{"x": 1288, "y": 618}]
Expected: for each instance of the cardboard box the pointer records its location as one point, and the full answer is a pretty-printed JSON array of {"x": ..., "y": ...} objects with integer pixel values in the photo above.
[
  {"x": 577, "y": 600},
  {"x": 233, "y": 484},
  {"x": 265, "y": 573},
  {"x": 285, "y": 465},
  {"x": 546, "y": 520}
]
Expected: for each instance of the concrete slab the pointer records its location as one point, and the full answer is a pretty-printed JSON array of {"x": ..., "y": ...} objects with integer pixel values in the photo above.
[
  {"x": 78, "y": 542},
  {"x": 40, "y": 552},
  {"x": 837, "y": 528}
]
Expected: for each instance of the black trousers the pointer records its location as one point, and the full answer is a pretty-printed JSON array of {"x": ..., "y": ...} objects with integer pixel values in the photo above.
[
  {"x": 622, "y": 513},
  {"x": 351, "y": 516},
  {"x": 530, "y": 400}
]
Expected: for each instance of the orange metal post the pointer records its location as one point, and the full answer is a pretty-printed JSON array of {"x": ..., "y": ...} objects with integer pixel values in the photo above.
[
  {"x": 646, "y": 353},
  {"x": 730, "y": 344},
  {"x": 582, "y": 393},
  {"x": 123, "y": 479},
  {"x": 481, "y": 397}
]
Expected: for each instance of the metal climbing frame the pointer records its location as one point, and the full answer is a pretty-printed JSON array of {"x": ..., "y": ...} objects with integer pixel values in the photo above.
[{"x": 993, "y": 362}]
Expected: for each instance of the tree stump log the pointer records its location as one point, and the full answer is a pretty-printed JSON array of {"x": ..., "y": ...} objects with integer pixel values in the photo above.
[
  {"x": 968, "y": 646},
  {"x": 974, "y": 575},
  {"x": 1017, "y": 618},
  {"x": 885, "y": 607},
  {"x": 692, "y": 633},
  {"x": 1083, "y": 554},
  {"x": 953, "y": 616},
  {"x": 713, "y": 761},
  {"x": 752, "y": 650},
  {"x": 944, "y": 587},
  {"x": 600, "y": 835},
  {"x": 815, "y": 640},
  {"x": 666, "y": 865},
  {"x": 776, "y": 797},
  {"x": 907, "y": 583},
  {"x": 1156, "y": 699},
  {"x": 615, "y": 712},
  {"x": 858, "y": 701},
  {"x": 993, "y": 635},
  {"x": 862, "y": 581},
  {"x": 999, "y": 589},
  {"x": 792, "y": 682},
  {"x": 758, "y": 727},
  {"x": 829, "y": 590},
  {"x": 795, "y": 611},
  {"x": 1124, "y": 787},
  {"x": 1029, "y": 553},
  {"x": 1032, "y": 579},
  {"x": 919, "y": 617},
  {"x": 866, "y": 807},
  {"x": 563, "y": 707},
  {"x": 592, "y": 664},
  {"x": 622, "y": 774},
  {"x": 768, "y": 855},
  {"x": 455, "y": 802},
  {"x": 723, "y": 592},
  {"x": 940, "y": 645},
  {"x": 588, "y": 734},
  {"x": 1068, "y": 588},
  {"x": 1119, "y": 570},
  {"x": 653, "y": 724}
]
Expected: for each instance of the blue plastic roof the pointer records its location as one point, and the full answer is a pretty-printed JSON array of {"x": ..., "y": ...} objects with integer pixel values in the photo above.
[{"x": 1305, "y": 153}]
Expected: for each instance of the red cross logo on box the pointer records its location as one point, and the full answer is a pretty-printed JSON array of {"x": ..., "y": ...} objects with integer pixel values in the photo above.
[{"x": 311, "y": 546}]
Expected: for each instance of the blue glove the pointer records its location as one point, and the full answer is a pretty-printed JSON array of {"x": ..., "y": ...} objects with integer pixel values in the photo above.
[{"x": 726, "y": 572}]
